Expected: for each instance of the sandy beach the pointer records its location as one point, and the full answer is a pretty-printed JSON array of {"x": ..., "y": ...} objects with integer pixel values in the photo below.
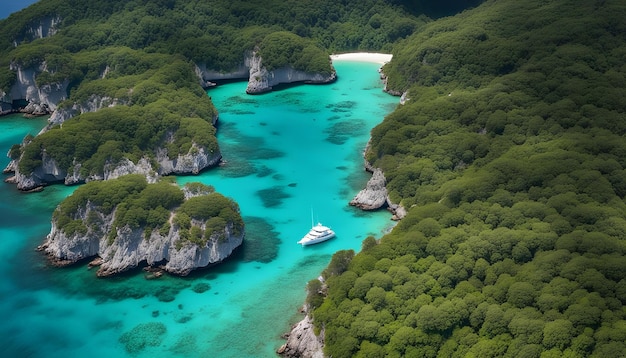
[{"x": 381, "y": 58}]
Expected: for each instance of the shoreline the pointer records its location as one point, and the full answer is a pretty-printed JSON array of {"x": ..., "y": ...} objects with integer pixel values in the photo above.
[{"x": 375, "y": 57}]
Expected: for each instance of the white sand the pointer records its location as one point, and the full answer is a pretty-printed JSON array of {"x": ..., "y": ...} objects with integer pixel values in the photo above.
[{"x": 381, "y": 58}]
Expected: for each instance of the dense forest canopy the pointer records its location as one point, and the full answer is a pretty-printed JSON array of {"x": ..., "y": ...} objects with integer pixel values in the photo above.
[
  {"x": 216, "y": 33},
  {"x": 141, "y": 55},
  {"x": 510, "y": 156},
  {"x": 135, "y": 204}
]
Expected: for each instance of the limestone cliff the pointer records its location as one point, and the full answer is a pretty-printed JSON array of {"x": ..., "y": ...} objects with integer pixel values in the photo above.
[
  {"x": 302, "y": 341},
  {"x": 94, "y": 103},
  {"x": 37, "y": 29},
  {"x": 41, "y": 99},
  {"x": 194, "y": 161},
  {"x": 260, "y": 80},
  {"x": 128, "y": 247},
  {"x": 207, "y": 76},
  {"x": 375, "y": 196}
]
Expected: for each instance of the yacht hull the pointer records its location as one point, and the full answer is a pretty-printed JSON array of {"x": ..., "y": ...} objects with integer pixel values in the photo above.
[{"x": 318, "y": 233}]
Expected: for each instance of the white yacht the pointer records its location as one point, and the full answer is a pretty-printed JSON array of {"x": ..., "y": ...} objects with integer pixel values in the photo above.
[{"x": 317, "y": 234}]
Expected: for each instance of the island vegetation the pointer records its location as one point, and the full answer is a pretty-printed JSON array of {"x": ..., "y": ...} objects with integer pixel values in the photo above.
[
  {"x": 134, "y": 203},
  {"x": 509, "y": 155},
  {"x": 141, "y": 56}
]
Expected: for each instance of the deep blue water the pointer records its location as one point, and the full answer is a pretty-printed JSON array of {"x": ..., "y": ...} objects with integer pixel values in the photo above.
[
  {"x": 288, "y": 153},
  {"x": 7, "y": 7}
]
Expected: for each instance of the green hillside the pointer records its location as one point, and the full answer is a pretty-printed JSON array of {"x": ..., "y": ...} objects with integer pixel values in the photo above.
[
  {"x": 510, "y": 156},
  {"x": 142, "y": 54}
]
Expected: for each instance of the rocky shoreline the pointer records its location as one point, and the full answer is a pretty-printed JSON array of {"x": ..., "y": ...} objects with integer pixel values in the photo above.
[
  {"x": 115, "y": 249},
  {"x": 302, "y": 341}
]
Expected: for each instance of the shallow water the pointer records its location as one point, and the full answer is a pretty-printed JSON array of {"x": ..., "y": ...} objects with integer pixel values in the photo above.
[{"x": 288, "y": 154}]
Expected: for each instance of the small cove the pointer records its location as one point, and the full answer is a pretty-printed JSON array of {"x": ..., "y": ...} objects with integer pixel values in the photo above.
[{"x": 287, "y": 153}]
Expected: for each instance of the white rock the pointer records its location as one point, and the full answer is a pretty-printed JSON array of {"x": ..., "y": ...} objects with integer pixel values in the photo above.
[
  {"x": 129, "y": 248},
  {"x": 374, "y": 196}
]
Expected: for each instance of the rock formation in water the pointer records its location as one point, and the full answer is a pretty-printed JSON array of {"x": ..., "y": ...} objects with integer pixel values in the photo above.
[
  {"x": 260, "y": 80},
  {"x": 124, "y": 248},
  {"x": 374, "y": 196},
  {"x": 302, "y": 341},
  {"x": 194, "y": 161}
]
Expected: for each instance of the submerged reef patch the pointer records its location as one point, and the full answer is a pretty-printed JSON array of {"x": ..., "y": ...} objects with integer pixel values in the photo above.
[
  {"x": 272, "y": 197},
  {"x": 341, "y": 107},
  {"x": 340, "y": 132},
  {"x": 201, "y": 287},
  {"x": 261, "y": 241},
  {"x": 143, "y": 335}
]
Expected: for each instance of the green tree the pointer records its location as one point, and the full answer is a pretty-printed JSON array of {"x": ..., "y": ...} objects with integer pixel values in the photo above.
[{"x": 558, "y": 334}]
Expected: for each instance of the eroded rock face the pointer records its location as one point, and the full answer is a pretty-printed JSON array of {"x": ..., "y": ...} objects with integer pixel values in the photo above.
[
  {"x": 128, "y": 248},
  {"x": 40, "y": 28},
  {"x": 93, "y": 104},
  {"x": 47, "y": 172},
  {"x": 193, "y": 162},
  {"x": 302, "y": 341},
  {"x": 207, "y": 76},
  {"x": 261, "y": 80},
  {"x": 41, "y": 99},
  {"x": 374, "y": 196}
]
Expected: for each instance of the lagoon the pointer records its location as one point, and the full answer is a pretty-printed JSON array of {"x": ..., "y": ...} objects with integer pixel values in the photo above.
[{"x": 288, "y": 153}]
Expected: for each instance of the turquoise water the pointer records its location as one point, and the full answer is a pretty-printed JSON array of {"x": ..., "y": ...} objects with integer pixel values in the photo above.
[{"x": 288, "y": 153}]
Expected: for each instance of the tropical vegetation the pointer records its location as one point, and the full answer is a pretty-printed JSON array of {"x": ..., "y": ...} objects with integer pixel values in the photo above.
[
  {"x": 141, "y": 56},
  {"x": 509, "y": 156},
  {"x": 136, "y": 204}
]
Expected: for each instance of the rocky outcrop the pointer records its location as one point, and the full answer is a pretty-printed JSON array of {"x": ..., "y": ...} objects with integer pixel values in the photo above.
[
  {"x": 48, "y": 172},
  {"x": 193, "y": 162},
  {"x": 38, "y": 29},
  {"x": 207, "y": 76},
  {"x": 40, "y": 99},
  {"x": 261, "y": 80},
  {"x": 114, "y": 171},
  {"x": 374, "y": 196},
  {"x": 92, "y": 104},
  {"x": 128, "y": 248},
  {"x": 302, "y": 341}
]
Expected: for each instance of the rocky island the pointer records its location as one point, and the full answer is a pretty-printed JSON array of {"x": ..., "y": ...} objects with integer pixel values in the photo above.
[
  {"x": 117, "y": 111},
  {"x": 127, "y": 222}
]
